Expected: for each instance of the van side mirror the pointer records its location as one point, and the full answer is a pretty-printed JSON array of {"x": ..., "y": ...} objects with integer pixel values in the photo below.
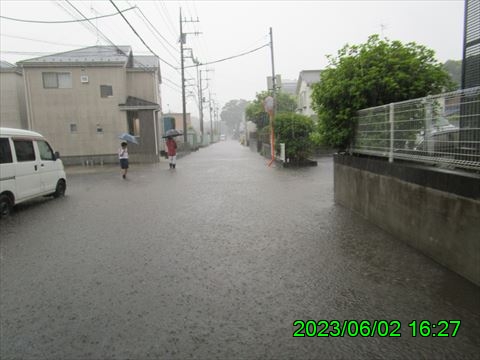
[{"x": 57, "y": 155}]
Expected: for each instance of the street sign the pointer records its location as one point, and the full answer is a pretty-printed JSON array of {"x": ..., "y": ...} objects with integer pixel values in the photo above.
[{"x": 268, "y": 105}]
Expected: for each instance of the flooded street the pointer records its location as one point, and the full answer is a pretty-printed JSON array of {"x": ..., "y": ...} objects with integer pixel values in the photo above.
[{"x": 216, "y": 260}]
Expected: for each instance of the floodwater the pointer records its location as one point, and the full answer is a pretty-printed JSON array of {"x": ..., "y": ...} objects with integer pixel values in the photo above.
[{"x": 216, "y": 260}]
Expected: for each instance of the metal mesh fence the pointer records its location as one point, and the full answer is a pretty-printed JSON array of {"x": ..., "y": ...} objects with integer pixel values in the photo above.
[{"x": 441, "y": 129}]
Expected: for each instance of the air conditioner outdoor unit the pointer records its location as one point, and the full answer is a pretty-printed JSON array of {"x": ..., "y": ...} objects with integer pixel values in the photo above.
[{"x": 84, "y": 79}]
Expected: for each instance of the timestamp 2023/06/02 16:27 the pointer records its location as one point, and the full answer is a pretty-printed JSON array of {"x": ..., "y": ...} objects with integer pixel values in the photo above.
[{"x": 381, "y": 328}]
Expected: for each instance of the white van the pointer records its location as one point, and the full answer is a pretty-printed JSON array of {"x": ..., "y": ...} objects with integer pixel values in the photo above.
[{"x": 28, "y": 168}]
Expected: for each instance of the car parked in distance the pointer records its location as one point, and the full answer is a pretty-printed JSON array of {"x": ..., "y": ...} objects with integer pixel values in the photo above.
[
  {"x": 29, "y": 168},
  {"x": 223, "y": 137}
]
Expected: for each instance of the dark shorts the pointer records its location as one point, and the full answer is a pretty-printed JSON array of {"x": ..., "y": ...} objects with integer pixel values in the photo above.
[{"x": 124, "y": 163}]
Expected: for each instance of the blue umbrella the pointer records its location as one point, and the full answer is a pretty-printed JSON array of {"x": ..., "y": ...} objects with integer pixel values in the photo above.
[{"x": 129, "y": 138}]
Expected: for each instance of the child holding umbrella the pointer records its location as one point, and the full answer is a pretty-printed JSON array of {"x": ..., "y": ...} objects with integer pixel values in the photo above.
[
  {"x": 171, "y": 151},
  {"x": 123, "y": 157}
]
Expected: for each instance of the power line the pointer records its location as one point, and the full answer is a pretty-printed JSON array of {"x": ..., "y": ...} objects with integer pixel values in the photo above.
[
  {"x": 41, "y": 41},
  {"x": 170, "y": 81},
  {"x": 169, "y": 20},
  {"x": 64, "y": 21},
  {"x": 157, "y": 32},
  {"x": 231, "y": 57},
  {"x": 143, "y": 41},
  {"x": 172, "y": 88},
  {"x": 104, "y": 36},
  {"x": 155, "y": 29}
]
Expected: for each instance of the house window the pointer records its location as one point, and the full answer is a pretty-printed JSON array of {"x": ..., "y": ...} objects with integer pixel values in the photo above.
[
  {"x": 73, "y": 128},
  {"x": 57, "y": 80},
  {"x": 106, "y": 91},
  {"x": 134, "y": 126}
]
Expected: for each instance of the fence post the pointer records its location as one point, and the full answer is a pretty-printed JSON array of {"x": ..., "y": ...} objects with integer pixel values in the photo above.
[
  {"x": 428, "y": 125},
  {"x": 391, "y": 118}
]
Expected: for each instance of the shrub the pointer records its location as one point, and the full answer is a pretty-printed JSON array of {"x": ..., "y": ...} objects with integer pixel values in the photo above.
[{"x": 295, "y": 131}]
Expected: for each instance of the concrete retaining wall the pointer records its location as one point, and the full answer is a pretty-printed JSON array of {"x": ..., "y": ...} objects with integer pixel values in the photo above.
[{"x": 437, "y": 212}]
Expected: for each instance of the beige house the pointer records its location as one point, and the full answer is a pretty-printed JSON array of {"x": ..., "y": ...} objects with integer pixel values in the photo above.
[
  {"x": 304, "y": 91},
  {"x": 82, "y": 100},
  {"x": 13, "y": 112}
]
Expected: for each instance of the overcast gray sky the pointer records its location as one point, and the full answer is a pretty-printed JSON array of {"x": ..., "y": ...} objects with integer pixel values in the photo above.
[{"x": 304, "y": 32}]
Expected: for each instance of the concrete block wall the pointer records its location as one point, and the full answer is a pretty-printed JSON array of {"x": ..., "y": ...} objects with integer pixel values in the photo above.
[{"x": 435, "y": 211}]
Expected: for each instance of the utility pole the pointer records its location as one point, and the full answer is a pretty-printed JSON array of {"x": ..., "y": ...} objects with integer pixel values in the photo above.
[
  {"x": 201, "y": 90},
  {"x": 200, "y": 100},
  {"x": 217, "y": 120},
  {"x": 211, "y": 120},
  {"x": 200, "y": 95},
  {"x": 183, "y": 40},
  {"x": 274, "y": 85},
  {"x": 184, "y": 103},
  {"x": 272, "y": 113}
]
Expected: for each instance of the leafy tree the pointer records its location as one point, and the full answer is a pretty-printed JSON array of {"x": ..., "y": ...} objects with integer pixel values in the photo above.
[
  {"x": 256, "y": 113},
  {"x": 294, "y": 130},
  {"x": 375, "y": 73},
  {"x": 454, "y": 68},
  {"x": 232, "y": 113}
]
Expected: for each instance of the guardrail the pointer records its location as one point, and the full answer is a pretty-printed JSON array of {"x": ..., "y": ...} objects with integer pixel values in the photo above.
[{"x": 440, "y": 129}]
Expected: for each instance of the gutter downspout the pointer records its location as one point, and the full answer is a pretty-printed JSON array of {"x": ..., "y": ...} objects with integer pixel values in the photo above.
[
  {"x": 155, "y": 120},
  {"x": 28, "y": 100}
]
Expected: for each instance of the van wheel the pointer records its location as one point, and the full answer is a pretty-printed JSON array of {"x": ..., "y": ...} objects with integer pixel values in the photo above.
[
  {"x": 5, "y": 206},
  {"x": 60, "y": 189}
]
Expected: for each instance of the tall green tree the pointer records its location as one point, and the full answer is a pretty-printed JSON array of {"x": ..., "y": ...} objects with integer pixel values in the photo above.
[
  {"x": 256, "y": 113},
  {"x": 375, "y": 73},
  {"x": 232, "y": 113},
  {"x": 454, "y": 68}
]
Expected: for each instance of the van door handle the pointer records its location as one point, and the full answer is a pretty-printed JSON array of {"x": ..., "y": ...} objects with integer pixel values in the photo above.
[{"x": 36, "y": 167}]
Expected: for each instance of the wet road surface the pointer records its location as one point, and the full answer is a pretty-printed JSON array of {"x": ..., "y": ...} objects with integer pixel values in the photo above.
[{"x": 216, "y": 260}]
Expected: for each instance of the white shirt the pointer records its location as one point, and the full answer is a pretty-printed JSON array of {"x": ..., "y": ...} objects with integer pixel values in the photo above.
[{"x": 123, "y": 153}]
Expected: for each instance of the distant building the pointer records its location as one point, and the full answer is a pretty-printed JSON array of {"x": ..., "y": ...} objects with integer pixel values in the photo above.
[
  {"x": 175, "y": 121},
  {"x": 304, "y": 91},
  {"x": 469, "y": 118},
  {"x": 471, "y": 50},
  {"x": 13, "y": 111},
  {"x": 285, "y": 86},
  {"x": 289, "y": 87},
  {"x": 82, "y": 100}
]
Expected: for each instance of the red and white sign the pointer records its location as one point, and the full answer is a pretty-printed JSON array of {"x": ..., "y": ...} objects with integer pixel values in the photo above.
[{"x": 269, "y": 104}]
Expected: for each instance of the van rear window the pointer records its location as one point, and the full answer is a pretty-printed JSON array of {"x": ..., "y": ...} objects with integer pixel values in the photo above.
[
  {"x": 5, "y": 151},
  {"x": 24, "y": 150}
]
